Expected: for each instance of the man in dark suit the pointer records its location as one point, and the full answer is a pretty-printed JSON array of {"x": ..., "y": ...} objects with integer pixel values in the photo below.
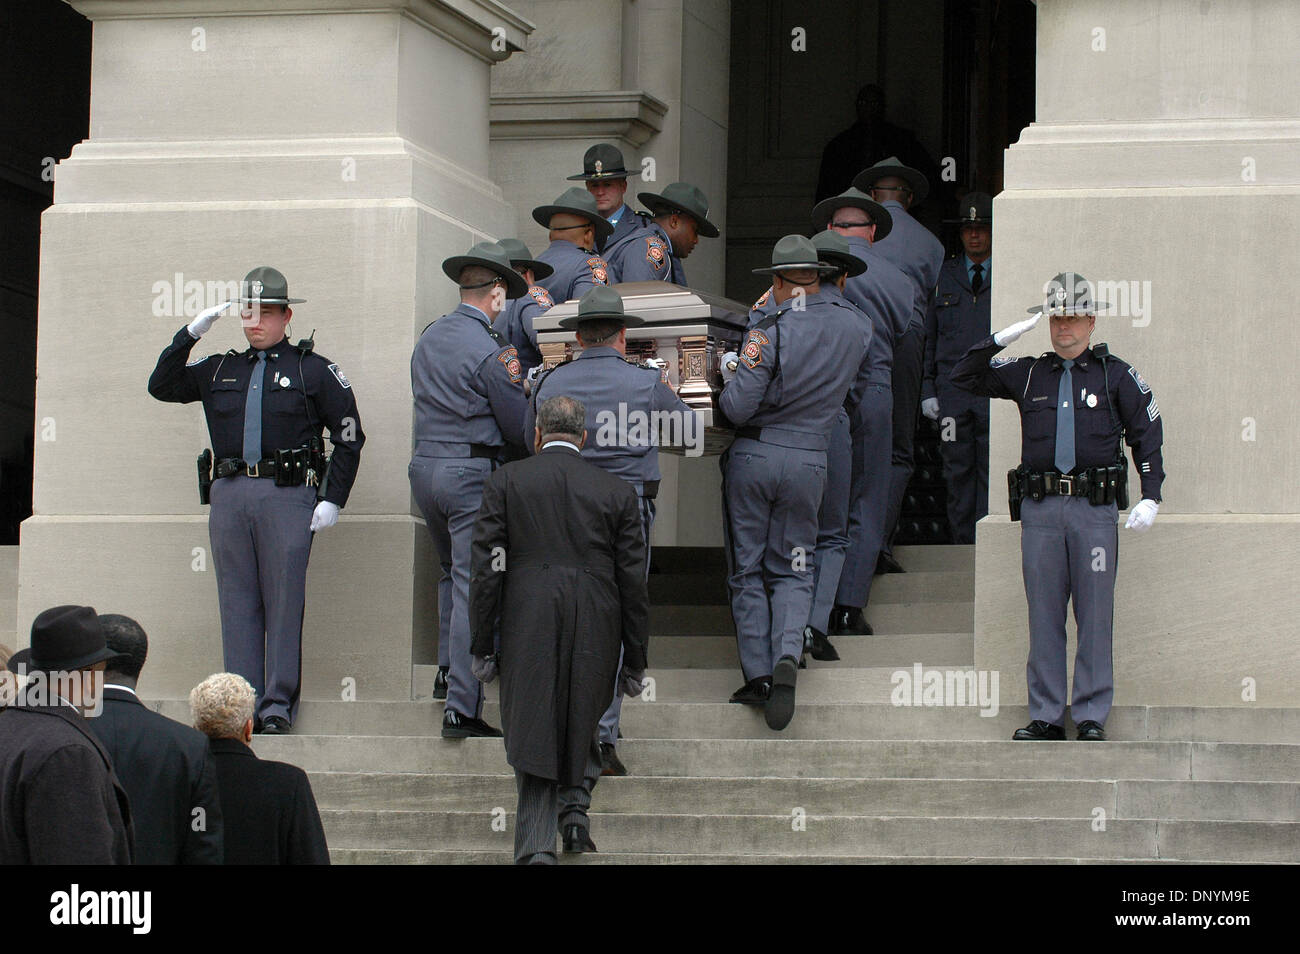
[
  {"x": 60, "y": 803},
  {"x": 563, "y": 537},
  {"x": 267, "y": 808},
  {"x": 166, "y": 768}
]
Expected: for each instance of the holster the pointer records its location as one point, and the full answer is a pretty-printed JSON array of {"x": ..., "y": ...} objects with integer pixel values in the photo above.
[
  {"x": 205, "y": 476},
  {"x": 1014, "y": 492},
  {"x": 1121, "y": 484}
]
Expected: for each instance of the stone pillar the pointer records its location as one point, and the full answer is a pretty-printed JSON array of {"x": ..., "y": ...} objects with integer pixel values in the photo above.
[
  {"x": 1165, "y": 166},
  {"x": 349, "y": 150}
]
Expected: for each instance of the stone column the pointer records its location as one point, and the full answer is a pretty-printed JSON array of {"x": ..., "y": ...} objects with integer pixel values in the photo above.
[
  {"x": 1165, "y": 166},
  {"x": 349, "y": 150}
]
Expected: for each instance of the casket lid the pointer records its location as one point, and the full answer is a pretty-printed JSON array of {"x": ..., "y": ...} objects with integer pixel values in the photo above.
[{"x": 659, "y": 303}]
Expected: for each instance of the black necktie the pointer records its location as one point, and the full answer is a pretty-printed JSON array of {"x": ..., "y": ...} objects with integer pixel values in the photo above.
[{"x": 976, "y": 279}]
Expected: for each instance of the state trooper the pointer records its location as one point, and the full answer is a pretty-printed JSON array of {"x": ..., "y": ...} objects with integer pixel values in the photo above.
[
  {"x": 833, "y": 516},
  {"x": 628, "y": 406},
  {"x": 959, "y": 317},
  {"x": 1078, "y": 405},
  {"x": 271, "y": 487},
  {"x": 884, "y": 294},
  {"x": 915, "y": 250},
  {"x": 469, "y": 406},
  {"x": 575, "y": 228},
  {"x": 655, "y": 251},
  {"x": 606, "y": 178},
  {"x": 516, "y": 321},
  {"x": 795, "y": 370}
]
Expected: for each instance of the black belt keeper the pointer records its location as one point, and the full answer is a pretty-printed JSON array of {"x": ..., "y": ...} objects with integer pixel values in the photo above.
[{"x": 483, "y": 450}]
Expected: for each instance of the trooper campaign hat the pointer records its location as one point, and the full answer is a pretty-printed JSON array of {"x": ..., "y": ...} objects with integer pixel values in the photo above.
[
  {"x": 492, "y": 256},
  {"x": 602, "y": 161},
  {"x": 833, "y": 249},
  {"x": 602, "y": 302},
  {"x": 266, "y": 286},
  {"x": 574, "y": 201},
  {"x": 975, "y": 209},
  {"x": 520, "y": 255},
  {"x": 1069, "y": 293},
  {"x": 64, "y": 639},
  {"x": 824, "y": 211},
  {"x": 681, "y": 197},
  {"x": 795, "y": 252},
  {"x": 919, "y": 185}
]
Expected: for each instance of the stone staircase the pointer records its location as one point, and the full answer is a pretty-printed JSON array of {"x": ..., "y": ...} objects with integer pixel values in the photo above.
[{"x": 853, "y": 779}]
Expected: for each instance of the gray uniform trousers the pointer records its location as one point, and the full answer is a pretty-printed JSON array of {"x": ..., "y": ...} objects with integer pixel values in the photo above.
[
  {"x": 261, "y": 538},
  {"x": 544, "y": 807},
  {"x": 609, "y": 721},
  {"x": 771, "y": 495},
  {"x": 833, "y": 522},
  {"x": 909, "y": 356},
  {"x": 868, "y": 494},
  {"x": 449, "y": 491},
  {"x": 965, "y": 461},
  {"x": 1069, "y": 550}
]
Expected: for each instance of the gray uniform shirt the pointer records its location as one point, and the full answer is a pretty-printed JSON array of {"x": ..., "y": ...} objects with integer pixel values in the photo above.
[
  {"x": 577, "y": 271},
  {"x": 915, "y": 250}
]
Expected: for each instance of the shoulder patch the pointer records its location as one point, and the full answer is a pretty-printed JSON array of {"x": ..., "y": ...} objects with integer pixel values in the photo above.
[
  {"x": 762, "y": 300},
  {"x": 541, "y": 296},
  {"x": 1001, "y": 360},
  {"x": 752, "y": 353},
  {"x": 509, "y": 358},
  {"x": 656, "y": 251},
  {"x": 1142, "y": 385},
  {"x": 340, "y": 376},
  {"x": 599, "y": 270}
]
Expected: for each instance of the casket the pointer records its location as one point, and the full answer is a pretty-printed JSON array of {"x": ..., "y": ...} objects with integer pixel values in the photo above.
[{"x": 688, "y": 330}]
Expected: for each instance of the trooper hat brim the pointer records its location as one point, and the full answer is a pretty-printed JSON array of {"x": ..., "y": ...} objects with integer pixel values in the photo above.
[
  {"x": 657, "y": 205},
  {"x": 1096, "y": 308},
  {"x": 978, "y": 220},
  {"x": 852, "y": 265},
  {"x": 540, "y": 270},
  {"x": 824, "y": 211},
  {"x": 543, "y": 214},
  {"x": 915, "y": 179},
  {"x": 629, "y": 321},
  {"x": 272, "y": 301},
  {"x": 516, "y": 287},
  {"x": 822, "y": 268},
  {"x": 596, "y": 176}
]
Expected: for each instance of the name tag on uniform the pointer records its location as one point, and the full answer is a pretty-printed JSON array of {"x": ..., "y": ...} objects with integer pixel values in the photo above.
[{"x": 1043, "y": 398}]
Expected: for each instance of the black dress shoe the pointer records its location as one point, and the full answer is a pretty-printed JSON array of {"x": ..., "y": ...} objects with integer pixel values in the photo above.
[
  {"x": 1090, "y": 731},
  {"x": 275, "y": 725},
  {"x": 1038, "y": 731},
  {"x": 577, "y": 840},
  {"x": 754, "y": 692},
  {"x": 849, "y": 621},
  {"x": 885, "y": 563},
  {"x": 816, "y": 643},
  {"x": 610, "y": 763},
  {"x": 440, "y": 683},
  {"x": 780, "y": 701},
  {"x": 458, "y": 726}
]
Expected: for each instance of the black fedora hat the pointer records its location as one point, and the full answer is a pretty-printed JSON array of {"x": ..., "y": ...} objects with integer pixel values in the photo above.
[
  {"x": 681, "y": 197},
  {"x": 520, "y": 255},
  {"x": 914, "y": 178},
  {"x": 975, "y": 209},
  {"x": 824, "y": 211},
  {"x": 492, "y": 256},
  {"x": 64, "y": 639},
  {"x": 602, "y": 161},
  {"x": 795, "y": 252},
  {"x": 265, "y": 285},
  {"x": 601, "y": 302},
  {"x": 1068, "y": 293},
  {"x": 833, "y": 249},
  {"x": 574, "y": 201}
]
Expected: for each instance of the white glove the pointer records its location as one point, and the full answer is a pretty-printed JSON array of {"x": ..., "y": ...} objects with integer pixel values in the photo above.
[
  {"x": 1008, "y": 335},
  {"x": 727, "y": 366},
  {"x": 657, "y": 363},
  {"x": 324, "y": 516},
  {"x": 930, "y": 408},
  {"x": 1142, "y": 516},
  {"x": 200, "y": 325},
  {"x": 531, "y": 377}
]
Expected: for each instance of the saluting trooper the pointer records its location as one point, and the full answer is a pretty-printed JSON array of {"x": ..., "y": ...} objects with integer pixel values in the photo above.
[
  {"x": 469, "y": 405},
  {"x": 655, "y": 251},
  {"x": 575, "y": 228},
  {"x": 959, "y": 317},
  {"x": 625, "y": 403},
  {"x": 794, "y": 373},
  {"x": 606, "y": 178},
  {"x": 1077, "y": 404},
  {"x": 516, "y": 320}
]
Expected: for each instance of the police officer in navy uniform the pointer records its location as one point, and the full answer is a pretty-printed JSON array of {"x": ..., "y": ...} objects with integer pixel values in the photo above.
[
  {"x": 959, "y": 317},
  {"x": 469, "y": 406},
  {"x": 623, "y": 401},
  {"x": 884, "y": 294},
  {"x": 271, "y": 488},
  {"x": 606, "y": 179},
  {"x": 796, "y": 369},
  {"x": 655, "y": 252},
  {"x": 575, "y": 229},
  {"x": 913, "y": 248},
  {"x": 516, "y": 321},
  {"x": 1076, "y": 403}
]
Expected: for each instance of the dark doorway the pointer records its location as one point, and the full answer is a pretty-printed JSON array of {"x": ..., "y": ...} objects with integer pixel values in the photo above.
[{"x": 44, "y": 112}]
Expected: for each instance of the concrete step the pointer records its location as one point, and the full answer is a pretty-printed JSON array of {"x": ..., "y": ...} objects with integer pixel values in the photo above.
[
  {"x": 1002, "y": 798},
  {"x": 398, "y": 856},
  {"x": 796, "y": 758},
  {"x": 719, "y": 652},
  {"x": 939, "y": 586},
  {"x": 930, "y": 558},
  {"x": 885, "y": 619},
  {"x": 793, "y": 834}
]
